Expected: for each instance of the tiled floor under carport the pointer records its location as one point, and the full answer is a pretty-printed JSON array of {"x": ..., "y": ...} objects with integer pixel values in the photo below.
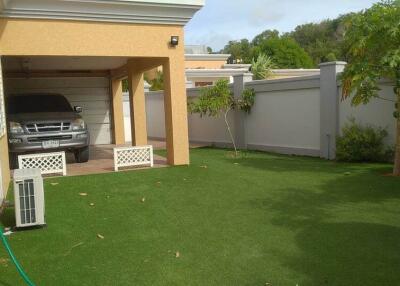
[{"x": 102, "y": 161}]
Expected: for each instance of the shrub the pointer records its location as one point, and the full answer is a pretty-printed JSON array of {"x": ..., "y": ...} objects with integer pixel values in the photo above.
[{"x": 362, "y": 144}]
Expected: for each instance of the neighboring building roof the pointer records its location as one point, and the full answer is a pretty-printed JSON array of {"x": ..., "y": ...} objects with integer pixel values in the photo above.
[
  {"x": 173, "y": 12},
  {"x": 237, "y": 66},
  {"x": 214, "y": 73},
  {"x": 207, "y": 57},
  {"x": 196, "y": 49}
]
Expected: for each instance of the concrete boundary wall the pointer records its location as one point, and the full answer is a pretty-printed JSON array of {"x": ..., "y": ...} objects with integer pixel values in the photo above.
[{"x": 299, "y": 116}]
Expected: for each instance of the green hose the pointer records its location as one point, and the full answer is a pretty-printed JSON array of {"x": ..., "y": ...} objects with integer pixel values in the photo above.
[{"x": 14, "y": 259}]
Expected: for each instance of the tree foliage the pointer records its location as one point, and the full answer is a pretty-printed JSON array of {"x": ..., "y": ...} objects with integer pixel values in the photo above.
[
  {"x": 285, "y": 52},
  {"x": 264, "y": 36},
  {"x": 372, "y": 42},
  {"x": 262, "y": 66},
  {"x": 157, "y": 83},
  {"x": 322, "y": 41},
  {"x": 241, "y": 51},
  {"x": 218, "y": 99}
]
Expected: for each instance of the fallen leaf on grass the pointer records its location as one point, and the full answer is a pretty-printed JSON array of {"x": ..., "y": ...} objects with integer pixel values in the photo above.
[
  {"x": 83, "y": 194},
  {"x": 100, "y": 236},
  {"x": 74, "y": 246},
  {"x": 4, "y": 261}
]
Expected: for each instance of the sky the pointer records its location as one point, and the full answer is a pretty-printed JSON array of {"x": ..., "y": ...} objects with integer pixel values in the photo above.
[{"x": 223, "y": 20}]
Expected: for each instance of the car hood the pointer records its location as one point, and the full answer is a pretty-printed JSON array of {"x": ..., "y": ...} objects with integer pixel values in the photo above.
[{"x": 43, "y": 117}]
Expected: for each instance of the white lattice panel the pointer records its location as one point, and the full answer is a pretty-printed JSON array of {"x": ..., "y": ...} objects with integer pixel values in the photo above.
[
  {"x": 133, "y": 156},
  {"x": 48, "y": 163}
]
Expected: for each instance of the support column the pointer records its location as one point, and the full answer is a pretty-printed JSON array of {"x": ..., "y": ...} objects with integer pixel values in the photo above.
[
  {"x": 239, "y": 82},
  {"x": 118, "y": 112},
  {"x": 329, "y": 108},
  {"x": 137, "y": 104},
  {"x": 175, "y": 106}
]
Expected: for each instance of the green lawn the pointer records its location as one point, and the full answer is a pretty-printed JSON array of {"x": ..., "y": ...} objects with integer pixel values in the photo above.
[{"x": 260, "y": 219}]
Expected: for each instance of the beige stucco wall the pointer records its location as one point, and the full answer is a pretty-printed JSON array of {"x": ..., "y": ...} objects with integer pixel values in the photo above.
[
  {"x": 144, "y": 43},
  {"x": 73, "y": 38},
  {"x": 4, "y": 163},
  {"x": 204, "y": 64}
]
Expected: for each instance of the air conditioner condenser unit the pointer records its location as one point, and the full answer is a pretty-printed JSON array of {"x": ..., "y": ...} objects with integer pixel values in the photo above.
[{"x": 29, "y": 198}]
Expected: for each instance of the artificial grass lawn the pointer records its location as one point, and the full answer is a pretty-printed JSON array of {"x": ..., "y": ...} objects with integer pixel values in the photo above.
[{"x": 267, "y": 219}]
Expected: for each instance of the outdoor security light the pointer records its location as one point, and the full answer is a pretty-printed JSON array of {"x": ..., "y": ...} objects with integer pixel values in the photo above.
[{"x": 174, "y": 41}]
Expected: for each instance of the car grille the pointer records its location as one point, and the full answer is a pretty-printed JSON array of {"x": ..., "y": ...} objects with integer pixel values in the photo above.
[
  {"x": 48, "y": 127},
  {"x": 47, "y": 138}
]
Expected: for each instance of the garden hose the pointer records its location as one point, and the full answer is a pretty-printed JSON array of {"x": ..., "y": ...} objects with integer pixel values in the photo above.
[{"x": 14, "y": 259}]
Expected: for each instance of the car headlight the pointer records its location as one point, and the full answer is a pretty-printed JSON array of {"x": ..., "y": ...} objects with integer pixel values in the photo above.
[
  {"x": 16, "y": 128},
  {"x": 78, "y": 124}
]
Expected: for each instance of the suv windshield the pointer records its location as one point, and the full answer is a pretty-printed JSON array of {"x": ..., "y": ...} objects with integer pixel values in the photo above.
[{"x": 36, "y": 103}]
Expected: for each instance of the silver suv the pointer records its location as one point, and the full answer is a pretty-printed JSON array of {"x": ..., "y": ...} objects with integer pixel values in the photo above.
[{"x": 45, "y": 122}]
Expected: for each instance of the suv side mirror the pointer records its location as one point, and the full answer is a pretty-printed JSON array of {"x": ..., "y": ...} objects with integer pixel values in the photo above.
[{"x": 78, "y": 109}]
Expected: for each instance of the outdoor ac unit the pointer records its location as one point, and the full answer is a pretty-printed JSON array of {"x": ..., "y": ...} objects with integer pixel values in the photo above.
[{"x": 29, "y": 197}]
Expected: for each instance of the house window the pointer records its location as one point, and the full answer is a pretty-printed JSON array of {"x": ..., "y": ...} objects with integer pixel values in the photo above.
[{"x": 2, "y": 108}]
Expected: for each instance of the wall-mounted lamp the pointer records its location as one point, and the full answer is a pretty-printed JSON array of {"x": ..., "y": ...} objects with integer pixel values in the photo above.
[{"x": 174, "y": 41}]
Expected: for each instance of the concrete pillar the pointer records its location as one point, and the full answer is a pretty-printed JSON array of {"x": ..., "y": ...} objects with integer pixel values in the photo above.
[
  {"x": 118, "y": 112},
  {"x": 329, "y": 108},
  {"x": 175, "y": 106},
  {"x": 137, "y": 104},
  {"x": 239, "y": 125}
]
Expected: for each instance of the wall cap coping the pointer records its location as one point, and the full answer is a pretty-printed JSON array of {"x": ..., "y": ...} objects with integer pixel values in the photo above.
[
  {"x": 207, "y": 57},
  {"x": 165, "y": 12},
  {"x": 301, "y": 82},
  {"x": 214, "y": 72},
  {"x": 338, "y": 63}
]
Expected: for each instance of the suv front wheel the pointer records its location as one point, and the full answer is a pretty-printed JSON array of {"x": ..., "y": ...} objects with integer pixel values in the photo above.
[{"x": 82, "y": 155}]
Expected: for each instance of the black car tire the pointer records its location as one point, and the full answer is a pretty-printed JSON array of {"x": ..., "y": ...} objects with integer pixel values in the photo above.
[
  {"x": 13, "y": 161},
  {"x": 82, "y": 155}
]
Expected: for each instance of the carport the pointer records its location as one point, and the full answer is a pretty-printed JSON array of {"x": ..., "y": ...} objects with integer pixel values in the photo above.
[{"x": 59, "y": 46}]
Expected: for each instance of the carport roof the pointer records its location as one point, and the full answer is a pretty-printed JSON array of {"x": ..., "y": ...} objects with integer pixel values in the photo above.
[{"x": 172, "y": 12}]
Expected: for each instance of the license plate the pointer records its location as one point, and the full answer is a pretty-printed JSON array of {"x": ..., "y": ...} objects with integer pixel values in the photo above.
[{"x": 50, "y": 144}]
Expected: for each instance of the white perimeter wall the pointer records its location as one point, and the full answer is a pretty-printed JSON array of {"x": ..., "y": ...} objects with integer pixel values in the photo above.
[
  {"x": 377, "y": 112},
  {"x": 285, "y": 118},
  {"x": 206, "y": 130}
]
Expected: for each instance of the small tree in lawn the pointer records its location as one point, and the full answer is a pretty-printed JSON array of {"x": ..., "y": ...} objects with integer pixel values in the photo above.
[
  {"x": 372, "y": 41},
  {"x": 219, "y": 100}
]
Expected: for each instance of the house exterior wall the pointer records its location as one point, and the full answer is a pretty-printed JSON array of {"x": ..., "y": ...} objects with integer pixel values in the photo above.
[
  {"x": 73, "y": 38},
  {"x": 146, "y": 42},
  {"x": 5, "y": 170}
]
